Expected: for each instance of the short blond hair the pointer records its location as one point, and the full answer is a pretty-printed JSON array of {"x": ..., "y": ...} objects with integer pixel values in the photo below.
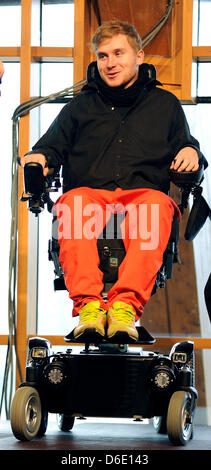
[{"x": 108, "y": 29}]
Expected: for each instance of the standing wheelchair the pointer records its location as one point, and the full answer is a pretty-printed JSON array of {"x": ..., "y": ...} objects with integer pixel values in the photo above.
[{"x": 120, "y": 380}]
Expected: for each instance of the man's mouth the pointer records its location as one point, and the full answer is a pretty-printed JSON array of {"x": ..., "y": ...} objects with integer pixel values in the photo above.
[{"x": 112, "y": 74}]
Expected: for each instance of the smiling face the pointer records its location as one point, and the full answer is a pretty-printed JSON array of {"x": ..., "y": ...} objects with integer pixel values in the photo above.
[{"x": 118, "y": 61}]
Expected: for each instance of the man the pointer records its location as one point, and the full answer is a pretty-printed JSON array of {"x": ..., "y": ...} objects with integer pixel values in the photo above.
[{"x": 116, "y": 141}]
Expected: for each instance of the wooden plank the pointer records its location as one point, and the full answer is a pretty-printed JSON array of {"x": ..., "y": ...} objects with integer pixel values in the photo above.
[
  {"x": 4, "y": 340},
  {"x": 145, "y": 18},
  {"x": 10, "y": 51},
  {"x": 81, "y": 56},
  {"x": 94, "y": 23},
  {"x": 202, "y": 53},
  {"x": 186, "y": 62},
  {"x": 143, "y": 15},
  {"x": 39, "y": 52},
  {"x": 163, "y": 67},
  {"x": 119, "y": 10},
  {"x": 161, "y": 342},
  {"x": 155, "y": 316},
  {"x": 25, "y": 59},
  {"x": 177, "y": 45}
]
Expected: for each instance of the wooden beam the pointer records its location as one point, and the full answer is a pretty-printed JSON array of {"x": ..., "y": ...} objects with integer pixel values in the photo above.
[
  {"x": 167, "y": 341},
  {"x": 82, "y": 29},
  {"x": 39, "y": 52},
  {"x": 161, "y": 342},
  {"x": 4, "y": 340},
  {"x": 186, "y": 62},
  {"x": 25, "y": 60},
  {"x": 94, "y": 23},
  {"x": 10, "y": 51},
  {"x": 202, "y": 53}
]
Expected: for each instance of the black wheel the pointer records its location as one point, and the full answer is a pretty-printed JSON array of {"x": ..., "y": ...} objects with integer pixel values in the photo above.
[
  {"x": 159, "y": 423},
  {"x": 179, "y": 419},
  {"x": 26, "y": 413},
  {"x": 65, "y": 422}
]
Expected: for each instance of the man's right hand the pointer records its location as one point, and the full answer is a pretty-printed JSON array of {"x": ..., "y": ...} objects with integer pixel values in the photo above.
[{"x": 35, "y": 157}]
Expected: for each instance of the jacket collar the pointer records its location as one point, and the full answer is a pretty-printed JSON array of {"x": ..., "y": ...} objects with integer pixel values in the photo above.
[{"x": 146, "y": 77}]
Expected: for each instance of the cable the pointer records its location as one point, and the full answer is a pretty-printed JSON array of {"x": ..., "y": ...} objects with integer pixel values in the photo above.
[
  {"x": 21, "y": 110},
  {"x": 148, "y": 37}
]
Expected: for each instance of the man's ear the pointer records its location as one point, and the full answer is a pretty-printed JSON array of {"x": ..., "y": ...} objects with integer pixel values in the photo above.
[{"x": 140, "y": 57}]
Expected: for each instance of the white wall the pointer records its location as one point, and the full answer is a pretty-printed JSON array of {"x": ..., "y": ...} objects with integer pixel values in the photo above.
[{"x": 199, "y": 118}]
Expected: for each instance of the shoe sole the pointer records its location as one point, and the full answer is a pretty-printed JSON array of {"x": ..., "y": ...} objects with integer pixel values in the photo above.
[
  {"x": 90, "y": 335},
  {"x": 122, "y": 337}
]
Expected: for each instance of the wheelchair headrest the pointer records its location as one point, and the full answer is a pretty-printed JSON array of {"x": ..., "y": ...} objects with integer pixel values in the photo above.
[
  {"x": 91, "y": 71},
  {"x": 185, "y": 179},
  {"x": 148, "y": 71}
]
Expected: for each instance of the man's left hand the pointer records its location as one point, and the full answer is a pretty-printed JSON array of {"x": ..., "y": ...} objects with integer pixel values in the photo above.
[{"x": 186, "y": 160}]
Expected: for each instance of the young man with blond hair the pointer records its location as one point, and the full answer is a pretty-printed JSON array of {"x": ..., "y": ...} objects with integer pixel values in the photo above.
[{"x": 116, "y": 141}]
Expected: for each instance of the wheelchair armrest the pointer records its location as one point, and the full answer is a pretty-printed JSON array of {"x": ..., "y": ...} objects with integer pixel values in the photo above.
[
  {"x": 188, "y": 182},
  {"x": 33, "y": 178},
  {"x": 37, "y": 187},
  {"x": 187, "y": 179}
]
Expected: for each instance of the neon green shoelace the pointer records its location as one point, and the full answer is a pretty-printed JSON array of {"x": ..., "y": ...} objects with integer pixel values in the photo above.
[
  {"x": 123, "y": 316},
  {"x": 90, "y": 314}
]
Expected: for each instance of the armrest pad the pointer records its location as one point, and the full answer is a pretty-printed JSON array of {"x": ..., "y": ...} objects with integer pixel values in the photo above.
[{"x": 187, "y": 178}]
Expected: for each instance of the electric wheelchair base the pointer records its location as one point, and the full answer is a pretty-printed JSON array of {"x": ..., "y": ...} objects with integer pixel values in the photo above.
[{"x": 106, "y": 380}]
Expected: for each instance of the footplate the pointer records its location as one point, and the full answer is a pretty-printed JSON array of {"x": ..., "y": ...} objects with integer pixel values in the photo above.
[{"x": 144, "y": 337}]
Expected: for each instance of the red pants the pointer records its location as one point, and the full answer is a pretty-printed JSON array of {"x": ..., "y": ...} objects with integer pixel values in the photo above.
[{"x": 83, "y": 213}]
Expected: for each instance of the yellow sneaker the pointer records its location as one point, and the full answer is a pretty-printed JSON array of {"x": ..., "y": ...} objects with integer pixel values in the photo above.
[
  {"x": 121, "y": 320},
  {"x": 92, "y": 320}
]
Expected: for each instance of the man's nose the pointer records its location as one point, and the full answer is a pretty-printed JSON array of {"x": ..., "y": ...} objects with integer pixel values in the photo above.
[{"x": 110, "y": 61}]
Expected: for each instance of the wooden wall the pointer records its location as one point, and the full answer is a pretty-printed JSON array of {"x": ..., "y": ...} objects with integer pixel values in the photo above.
[{"x": 171, "y": 49}]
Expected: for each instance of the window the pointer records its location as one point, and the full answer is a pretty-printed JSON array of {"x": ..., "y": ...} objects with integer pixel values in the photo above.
[
  {"x": 204, "y": 79},
  {"x": 10, "y": 15},
  {"x": 57, "y": 23},
  {"x": 204, "y": 34}
]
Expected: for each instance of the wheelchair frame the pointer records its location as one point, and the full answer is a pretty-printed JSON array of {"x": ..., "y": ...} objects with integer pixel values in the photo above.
[{"x": 119, "y": 379}]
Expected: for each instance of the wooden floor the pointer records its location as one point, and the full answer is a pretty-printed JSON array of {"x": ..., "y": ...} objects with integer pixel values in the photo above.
[{"x": 101, "y": 435}]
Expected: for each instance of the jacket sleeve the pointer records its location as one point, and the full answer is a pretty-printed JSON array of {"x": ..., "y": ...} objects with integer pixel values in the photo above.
[
  {"x": 56, "y": 143},
  {"x": 180, "y": 135}
]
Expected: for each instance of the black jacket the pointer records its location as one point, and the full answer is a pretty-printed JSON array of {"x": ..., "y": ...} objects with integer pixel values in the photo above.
[{"x": 100, "y": 148}]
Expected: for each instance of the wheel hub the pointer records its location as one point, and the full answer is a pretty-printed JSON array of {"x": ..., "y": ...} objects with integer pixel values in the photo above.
[{"x": 31, "y": 413}]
